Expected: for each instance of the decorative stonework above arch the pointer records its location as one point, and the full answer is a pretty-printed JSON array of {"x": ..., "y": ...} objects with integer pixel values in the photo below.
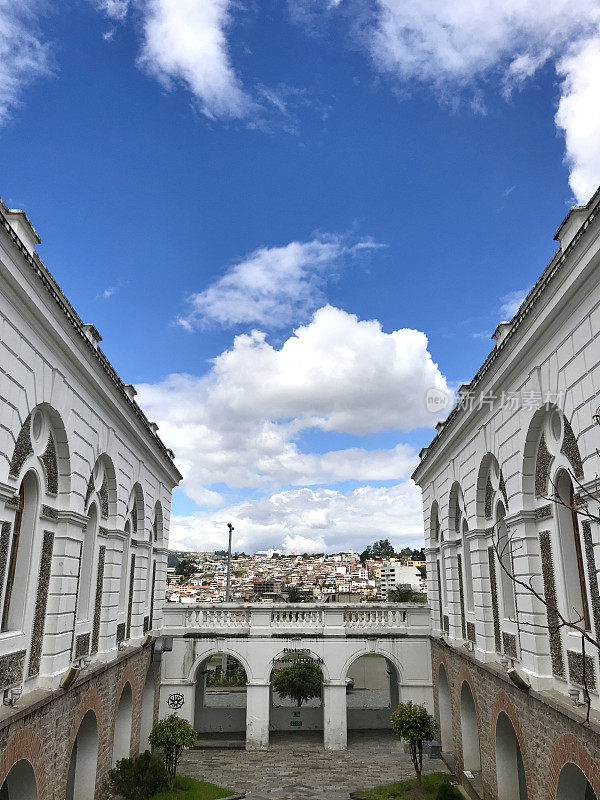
[
  {"x": 570, "y": 449},
  {"x": 50, "y": 463},
  {"x": 543, "y": 462},
  {"x": 22, "y": 450}
]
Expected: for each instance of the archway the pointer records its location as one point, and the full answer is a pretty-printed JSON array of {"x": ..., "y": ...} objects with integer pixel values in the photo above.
[
  {"x": 285, "y": 715},
  {"x": 122, "y": 732},
  {"x": 81, "y": 779},
  {"x": 573, "y": 785},
  {"x": 510, "y": 771},
  {"x": 470, "y": 731},
  {"x": 148, "y": 698},
  {"x": 220, "y": 696},
  {"x": 372, "y": 692},
  {"x": 445, "y": 711},
  {"x": 20, "y": 783}
]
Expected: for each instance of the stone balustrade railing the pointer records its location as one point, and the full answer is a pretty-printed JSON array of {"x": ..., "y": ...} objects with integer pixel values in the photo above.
[{"x": 295, "y": 619}]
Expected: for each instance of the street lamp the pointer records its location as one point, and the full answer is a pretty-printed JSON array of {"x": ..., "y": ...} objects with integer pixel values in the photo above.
[{"x": 228, "y": 589}]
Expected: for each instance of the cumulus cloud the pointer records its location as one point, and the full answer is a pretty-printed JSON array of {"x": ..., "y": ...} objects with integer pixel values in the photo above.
[
  {"x": 184, "y": 41},
  {"x": 462, "y": 45},
  {"x": 241, "y": 424},
  {"x": 273, "y": 286},
  {"x": 579, "y": 118},
  {"x": 24, "y": 56},
  {"x": 305, "y": 520}
]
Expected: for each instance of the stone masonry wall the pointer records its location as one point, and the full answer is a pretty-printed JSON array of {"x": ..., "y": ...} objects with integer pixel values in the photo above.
[
  {"x": 43, "y": 730},
  {"x": 547, "y": 737}
]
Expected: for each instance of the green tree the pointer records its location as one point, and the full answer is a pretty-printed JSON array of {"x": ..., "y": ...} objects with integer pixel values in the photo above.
[
  {"x": 381, "y": 549},
  {"x": 400, "y": 594},
  {"x": 138, "y": 778},
  {"x": 300, "y": 682},
  {"x": 171, "y": 735},
  {"x": 297, "y": 595},
  {"x": 415, "y": 725},
  {"x": 186, "y": 568}
]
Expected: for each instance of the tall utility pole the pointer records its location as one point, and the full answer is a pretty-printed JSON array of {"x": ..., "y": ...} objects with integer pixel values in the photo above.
[
  {"x": 224, "y": 657},
  {"x": 228, "y": 589}
]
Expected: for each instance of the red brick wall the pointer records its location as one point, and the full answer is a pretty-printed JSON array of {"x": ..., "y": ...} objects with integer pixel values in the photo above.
[
  {"x": 45, "y": 736},
  {"x": 548, "y": 739}
]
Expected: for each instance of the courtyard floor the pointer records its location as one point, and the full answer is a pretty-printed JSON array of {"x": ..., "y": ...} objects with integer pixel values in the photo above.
[{"x": 297, "y": 767}]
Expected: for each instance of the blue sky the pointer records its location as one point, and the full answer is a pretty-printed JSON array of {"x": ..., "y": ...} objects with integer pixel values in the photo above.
[{"x": 199, "y": 170}]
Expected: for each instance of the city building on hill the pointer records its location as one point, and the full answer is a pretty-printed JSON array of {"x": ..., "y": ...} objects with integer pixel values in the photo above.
[
  {"x": 396, "y": 576},
  {"x": 85, "y": 494},
  {"x": 511, "y": 495}
]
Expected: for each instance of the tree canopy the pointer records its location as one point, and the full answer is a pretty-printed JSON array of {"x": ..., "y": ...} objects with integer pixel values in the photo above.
[{"x": 300, "y": 681}]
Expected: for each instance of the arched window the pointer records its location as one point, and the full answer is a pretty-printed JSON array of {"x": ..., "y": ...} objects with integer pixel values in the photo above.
[
  {"x": 573, "y": 785},
  {"x": 445, "y": 711},
  {"x": 470, "y": 730},
  {"x": 20, "y": 783},
  {"x": 573, "y": 570},
  {"x": 87, "y": 563},
  {"x": 510, "y": 771},
  {"x": 13, "y": 609},
  {"x": 506, "y": 566}
]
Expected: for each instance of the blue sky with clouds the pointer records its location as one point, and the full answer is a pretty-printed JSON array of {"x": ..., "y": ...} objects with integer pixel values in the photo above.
[{"x": 288, "y": 220}]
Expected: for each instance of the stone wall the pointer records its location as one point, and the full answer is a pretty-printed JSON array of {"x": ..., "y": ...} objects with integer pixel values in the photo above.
[
  {"x": 550, "y": 731},
  {"x": 43, "y": 726}
]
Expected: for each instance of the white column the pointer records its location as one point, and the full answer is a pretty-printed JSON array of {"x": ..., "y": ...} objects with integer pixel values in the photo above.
[
  {"x": 335, "y": 726},
  {"x": 258, "y": 703}
]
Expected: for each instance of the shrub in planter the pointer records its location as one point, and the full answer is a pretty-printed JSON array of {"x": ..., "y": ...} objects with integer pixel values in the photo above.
[
  {"x": 138, "y": 778},
  {"x": 171, "y": 735}
]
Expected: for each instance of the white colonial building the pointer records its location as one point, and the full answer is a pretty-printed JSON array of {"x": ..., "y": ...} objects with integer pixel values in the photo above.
[
  {"x": 516, "y": 463},
  {"x": 85, "y": 490}
]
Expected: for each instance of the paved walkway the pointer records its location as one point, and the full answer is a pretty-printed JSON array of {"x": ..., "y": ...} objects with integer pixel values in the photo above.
[{"x": 296, "y": 767}]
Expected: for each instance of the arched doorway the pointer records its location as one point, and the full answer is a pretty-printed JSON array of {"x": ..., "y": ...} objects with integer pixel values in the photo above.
[
  {"x": 148, "y": 698},
  {"x": 20, "y": 783},
  {"x": 470, "y": 731},
  {"x": 220, "y": 696},
  {"x": 81, "y": 779},
  {"x": 286, "y": 716},
  {"x": 573, "y": 785},
  {"x": 372, "y": 692},
  {"x": 510, "y": 771},
  {"x": 445, "y": 711},
  {"x": 122, "y": 733}
]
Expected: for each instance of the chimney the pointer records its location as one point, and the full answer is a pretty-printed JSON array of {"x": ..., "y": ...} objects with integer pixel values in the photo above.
[
  {"x": 501, "y": 332},
  {"x": 129, "y": 391},
  {"x": 21, "y": 225},
  {"x": 92, "y": 333},
  {"x": 570, "y": 226}
]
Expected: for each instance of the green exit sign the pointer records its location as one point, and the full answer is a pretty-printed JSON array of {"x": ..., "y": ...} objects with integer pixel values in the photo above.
[{"x": 295, "y": 723}]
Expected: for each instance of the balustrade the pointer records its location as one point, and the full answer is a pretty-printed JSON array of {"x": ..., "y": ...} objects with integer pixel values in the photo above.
[{"x": 332, "y": 618}]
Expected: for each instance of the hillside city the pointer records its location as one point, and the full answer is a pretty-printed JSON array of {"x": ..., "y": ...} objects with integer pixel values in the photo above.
[{"x": 376, "y": 574}]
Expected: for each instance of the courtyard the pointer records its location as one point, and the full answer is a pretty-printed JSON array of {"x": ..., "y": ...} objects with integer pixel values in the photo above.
[{"x": 297, "y": 766}]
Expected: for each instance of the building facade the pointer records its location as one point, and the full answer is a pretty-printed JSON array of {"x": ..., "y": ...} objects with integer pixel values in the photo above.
[
  {"x": 85, "y": 489},
  {"x": 394, "y": 576},
  {"x": 510, "y": 492}
]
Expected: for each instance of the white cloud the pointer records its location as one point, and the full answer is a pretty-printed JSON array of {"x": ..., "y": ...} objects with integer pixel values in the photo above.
[
  {"x": 115, "y": 9},
  {"x": 241, "y": 424},
  {"x": 578, "y": 116},
  {"x": 461, "y": 45},
  {"x": 305, "y": 520},
  {"x": 511, "y": 302},
  {"x": 273, "y": 286},
  {"x": 184, "y": 41},
  {"x": 24, "y": 56},
  {"x": 462, "y": 41}
]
